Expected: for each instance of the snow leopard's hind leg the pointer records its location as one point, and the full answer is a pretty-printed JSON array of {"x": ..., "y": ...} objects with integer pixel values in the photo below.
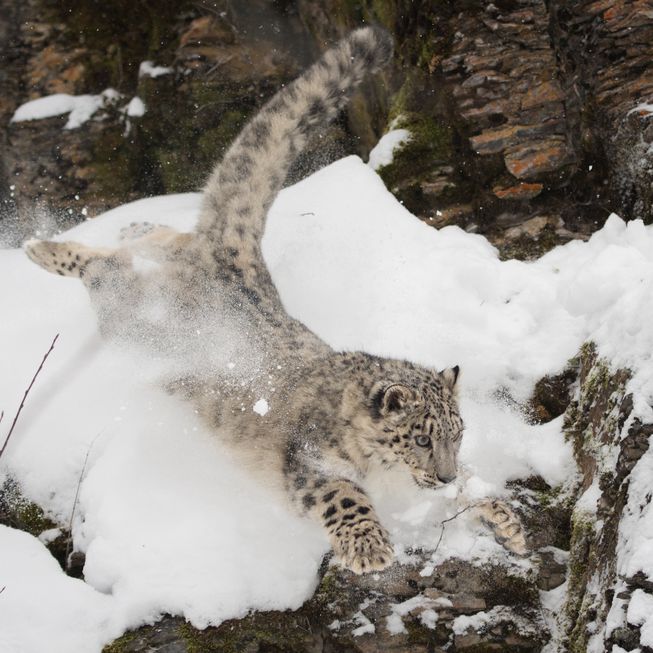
[
  {"x": 155, "y": 242},
  {"x": 115, "y": 289},
  {"x": 71, "y": 259}
]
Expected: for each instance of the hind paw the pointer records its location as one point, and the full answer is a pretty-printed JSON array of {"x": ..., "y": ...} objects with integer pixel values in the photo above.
[
  {"x": 66, "y": 259},
  {"x": 508, "y": 530},
  {"x": 72, "y": 259},
  {"x": 136, "y": 230}
]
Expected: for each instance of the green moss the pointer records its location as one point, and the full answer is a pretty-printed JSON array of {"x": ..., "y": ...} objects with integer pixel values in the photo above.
[
  {"x": 274, "y": 631},
  {"x": 32, "y": 519},
  {"x": 16, "y": 511},
  {"x": 120, "y": 645},
  {"x": 327, "y": 590},
  {"x": 385, "y": 11},
  {"x": 191, "y": 128},
  {"x": 526, "y": 248},
  {"x": 115, "y": 164},
  {"x": 428, "y": 147},
  {"x": 580, "y": 560}
]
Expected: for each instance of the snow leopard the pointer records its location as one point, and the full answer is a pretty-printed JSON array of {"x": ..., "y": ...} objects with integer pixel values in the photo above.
[{"x": 335, "y": 414}]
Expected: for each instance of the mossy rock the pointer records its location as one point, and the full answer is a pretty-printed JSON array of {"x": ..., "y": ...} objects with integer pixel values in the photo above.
[
  {"x": 527, "y": 248},
  {"x": 18, "y": 512}
]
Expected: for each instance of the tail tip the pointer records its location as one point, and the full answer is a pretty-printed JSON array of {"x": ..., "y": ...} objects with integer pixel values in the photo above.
[{"x": 374, "y": 44}]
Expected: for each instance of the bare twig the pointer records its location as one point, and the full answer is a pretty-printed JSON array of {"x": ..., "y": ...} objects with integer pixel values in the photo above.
[
  {"x": 79, "y": 484},
  {"x": 443, "y": 523},
  {"x": 29, "y": 387}
]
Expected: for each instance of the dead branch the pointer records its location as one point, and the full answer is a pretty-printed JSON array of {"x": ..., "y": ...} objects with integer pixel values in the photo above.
[
  {"x": 22, "y": 403},
  {"x": 443, "y": 524},
  {"x": 69, "y": 543}
]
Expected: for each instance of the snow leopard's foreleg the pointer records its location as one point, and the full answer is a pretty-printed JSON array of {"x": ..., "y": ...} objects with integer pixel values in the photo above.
[
  {"x": 359, "y": 541},
  {"x": 506, "y": 526},
  {"x": 243, "y": 186}
]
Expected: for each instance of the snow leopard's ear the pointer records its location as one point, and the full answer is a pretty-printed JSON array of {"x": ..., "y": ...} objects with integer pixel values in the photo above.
[
  {"x": 450, "y": 376},
  {"x": 391, "y": 398}
]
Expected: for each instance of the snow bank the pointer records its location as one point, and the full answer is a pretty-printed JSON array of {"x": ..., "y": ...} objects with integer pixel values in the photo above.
[
  {"x": 33, "y": 591},
  {"x": 149, "y": 69},
  {"x": 169, "y": 524},
  {"x": 79, "y": 107},
  {"x": 136, "y": 108},
  {"x": 383, "y": 152}
]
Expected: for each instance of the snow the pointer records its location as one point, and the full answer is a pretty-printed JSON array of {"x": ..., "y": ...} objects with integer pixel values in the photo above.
[
  {"x": 261, "y": 407},
  {"x": 640, "y": 613},
  {"x": 383, "y": 152},
  {"x": 149, "y": 69},
  {"x": 588, "y": 501},
  {"x": 643, "y": 108},
  {"x": 34, "y": 589},
  {"x": 169, "y": 523},
  {"x": 365, "y": 626},
  {"x": 428, "y": 616},
  {"x": 79, "y": 107},
  {"x": 635, "y": 543},
  {"x": 474, "y": 622},
  {"x": 135, "y": 108},
  {"x": 553, "y": 602}
]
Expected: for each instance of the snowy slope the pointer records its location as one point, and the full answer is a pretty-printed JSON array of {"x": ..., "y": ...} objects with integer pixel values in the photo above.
[{"x": 167, "y": 522}]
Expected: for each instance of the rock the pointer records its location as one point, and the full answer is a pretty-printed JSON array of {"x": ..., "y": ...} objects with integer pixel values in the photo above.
[
  {"x": 552, "y": 394},
  {"x": 498, "y": 140},
  {"x": 328, "y": 622},
  {"x": 543, "y": 93},
  {"x": 521, "y": 191},
  {"x": 535, "y": 158},
  {"x": 595, "y": 421},
  {"x": 552, "y": 573}
]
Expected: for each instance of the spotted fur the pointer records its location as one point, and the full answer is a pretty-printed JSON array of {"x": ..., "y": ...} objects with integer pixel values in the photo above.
[{"x": 333, "y": 414}]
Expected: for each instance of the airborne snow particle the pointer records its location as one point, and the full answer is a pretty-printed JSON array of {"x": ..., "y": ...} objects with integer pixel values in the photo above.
[{"x": 261, "y": 407}]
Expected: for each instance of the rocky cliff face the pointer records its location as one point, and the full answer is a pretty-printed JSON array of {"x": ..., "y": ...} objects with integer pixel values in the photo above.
[{"x": 528, "y": 118}]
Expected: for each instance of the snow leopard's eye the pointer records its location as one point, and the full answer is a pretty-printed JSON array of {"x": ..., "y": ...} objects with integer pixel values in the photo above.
[{"x": 423, "y": 440}]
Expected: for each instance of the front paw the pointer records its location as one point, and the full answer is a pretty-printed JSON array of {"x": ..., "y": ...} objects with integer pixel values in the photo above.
[
  {"x": 505, "y": 524},
  {"x": 365, "y": 550}
]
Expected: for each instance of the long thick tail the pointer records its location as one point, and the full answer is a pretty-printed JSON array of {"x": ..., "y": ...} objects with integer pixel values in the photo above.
[{"x": 244, "y": 184}]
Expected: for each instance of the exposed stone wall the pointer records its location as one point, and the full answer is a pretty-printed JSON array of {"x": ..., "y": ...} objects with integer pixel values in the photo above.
[
  {"x": 520, "y": 109},
  {"x": 606, "y": 48},
  {"x": 608, "y": 443}
]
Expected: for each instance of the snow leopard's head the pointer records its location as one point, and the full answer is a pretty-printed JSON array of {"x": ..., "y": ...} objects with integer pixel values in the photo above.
[{"x": 413, "y": 419}]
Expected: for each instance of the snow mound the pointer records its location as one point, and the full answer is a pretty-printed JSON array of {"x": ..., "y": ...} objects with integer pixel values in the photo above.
[
  {"x": 79, "y": 107},
  {"x": 169, "y": 523}
]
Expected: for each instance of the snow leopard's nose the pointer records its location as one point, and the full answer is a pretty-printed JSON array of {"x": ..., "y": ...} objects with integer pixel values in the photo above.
[{"x": 446, "y": 478}]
